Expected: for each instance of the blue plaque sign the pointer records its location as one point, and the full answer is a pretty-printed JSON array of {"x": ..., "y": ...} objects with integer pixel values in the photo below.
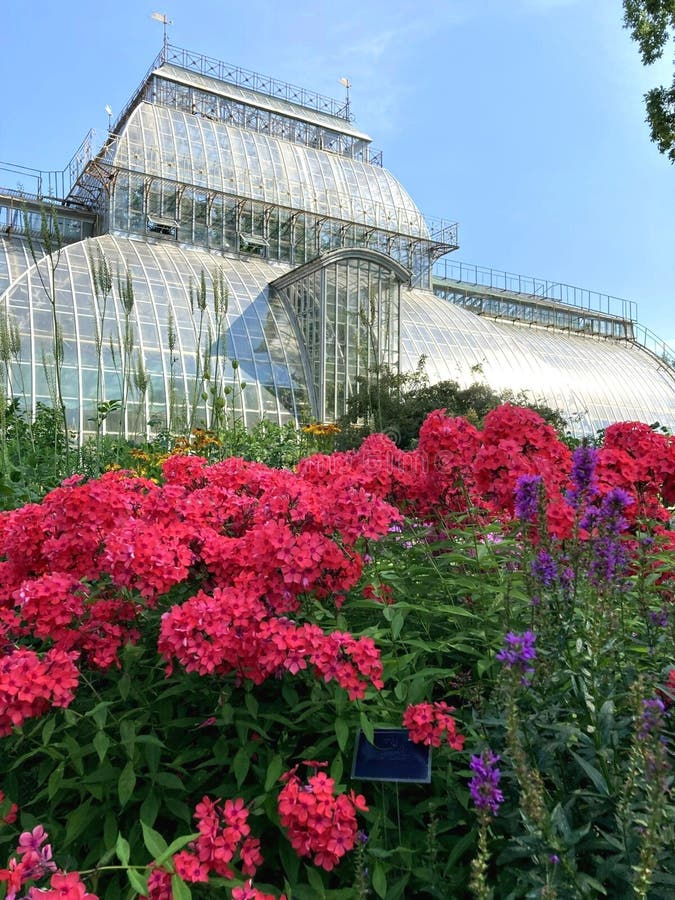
[{"x": 391, "y": 757}]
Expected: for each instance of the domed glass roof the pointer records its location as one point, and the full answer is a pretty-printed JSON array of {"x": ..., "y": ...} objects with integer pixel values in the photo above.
[
  {"x": 194, "y": 150},
  {"x": 257, "y": 332}
]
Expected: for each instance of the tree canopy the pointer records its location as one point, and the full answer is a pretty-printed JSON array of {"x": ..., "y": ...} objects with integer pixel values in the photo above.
[{"x": 652, "y": 26}]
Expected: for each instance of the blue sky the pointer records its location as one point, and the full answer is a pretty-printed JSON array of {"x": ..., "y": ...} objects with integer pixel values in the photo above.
[{"x": 523, "y": 120}]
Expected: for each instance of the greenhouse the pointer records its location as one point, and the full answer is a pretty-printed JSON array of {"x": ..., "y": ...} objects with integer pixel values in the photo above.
[{"x": 236, "y": 248}]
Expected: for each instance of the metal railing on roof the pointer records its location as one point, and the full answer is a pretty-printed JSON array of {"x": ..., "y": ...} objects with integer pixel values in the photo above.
[
  {"x": 215, "y": 68},
  {"x": 556, "y": 291},
  {"x": 54, "y": 184},
  {"x": 264, "y": 84},
  {"x": 655, "y": 345}
]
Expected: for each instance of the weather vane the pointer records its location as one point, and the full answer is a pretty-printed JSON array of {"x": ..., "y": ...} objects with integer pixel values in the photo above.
[
  {"x": 346, "y": 83},
  {"x": 165, "y": 20}
]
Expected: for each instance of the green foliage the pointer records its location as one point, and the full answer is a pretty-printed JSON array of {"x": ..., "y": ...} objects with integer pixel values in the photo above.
[
  {"x": 397, "y": 404},
  {"x": 34, "y": 458},
  {"x": 580, "y": 787},
  {"x": 652, "y": 26}
]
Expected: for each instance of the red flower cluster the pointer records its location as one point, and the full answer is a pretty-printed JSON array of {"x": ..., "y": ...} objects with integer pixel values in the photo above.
[
  {"x": 57, "y": 607},
  {"x": 642, "y": 461},
  {"x": 667, "y": 692},
  {"x": 448, "y": 447},
  {"x": 32, "y": 862},
  {"x": 318, "y": 823},
  {"x": 456, "y": 467},
  {"x": 223, "y": 835},
  {"x": 248, "y": 892},
  {"x": 223, "y": 832},
  {"x": 428, "y": 723},
  {"x": 205, "y": 636},
  {"x": 63, "y": 887},
  {"x": 30, "y": 685},
  {"x": 77, "y": 571},
  {"x": 381, "y": 593}
]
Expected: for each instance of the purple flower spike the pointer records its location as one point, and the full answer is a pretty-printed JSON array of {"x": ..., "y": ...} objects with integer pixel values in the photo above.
[
  {"x": 651, "y": 721},
  {"x": 484, "y": 786},
  {"x": 528, "y": 492},
  {"x": 518, "y": 653},
  {"x": 613, "y": 506},
  {"x": 584, "y": 461},
  {"x": 544, "y": 568},
  {"x": 606, "y": 522}
]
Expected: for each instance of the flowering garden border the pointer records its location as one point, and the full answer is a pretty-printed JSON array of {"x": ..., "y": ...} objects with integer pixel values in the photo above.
[{"x": 206, "y": 634}]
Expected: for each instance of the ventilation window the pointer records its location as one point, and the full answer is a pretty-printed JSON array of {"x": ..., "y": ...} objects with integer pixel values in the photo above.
[{"x": 160, "y": 225}]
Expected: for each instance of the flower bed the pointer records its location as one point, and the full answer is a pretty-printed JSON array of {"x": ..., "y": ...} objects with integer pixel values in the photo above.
[{"x": 186, "y": 664}]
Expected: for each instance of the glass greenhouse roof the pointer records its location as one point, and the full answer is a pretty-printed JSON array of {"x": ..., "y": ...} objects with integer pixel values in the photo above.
[
  {"x": 592, "y": 381},
  {"x": 197, "y": 151},
  {"x": 258, "y": 333},
  {"x": 260, "y": 101},
  {"x": 15, "y": 258}
]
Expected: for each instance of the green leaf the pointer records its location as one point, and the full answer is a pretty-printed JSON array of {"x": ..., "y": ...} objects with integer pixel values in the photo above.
[
  {"x": 336, "y": 769},
  {"x": 594, "y": 774},
  {"x": 48, "y": 730},
  {"x": 78, "y": 821},
  {"x": 316, "y": 882},
  {"x": 177, "y": 808},
  {"x": 289, "y": 694},
  {"x": 138, "y": 882},
  {"x": 397, "y": 889},
  {"x": 101, "y": 743},
  {"x": 75, "y": 752},
  {"x": 591, "y": 882},
  {"x": 126, "y": 783},
  {"x": 397, "y": 623},
  {"x": 154, "y": 842},
  {"x": 400, "y": 690},
  {"x": 251, "y": 704},
  {"x": 128, "y": 735},
  {"x": 379, "y": 880},
  {"x": 124, "y": 685},
  {"x": 55, "y": 781},
  {"x": 169, "y": 780},
  {"x": 153, "y": 755},
  {"x": 150, "y": 808},
  {"x": 122, "y": 850},
  {"x": 462, "y": 845},
  {"x": 273, "y": 772},
  {"x": 367, "y": 728},
  {"x": 180, "y": 890},
  {"x": 110, "y": 829},
  {"x": 303, "y": 892},
  {"x": 100, "y": 713},
  {"x": 342, "y": 733},
  {"x": 240, "y": 765},
  {"x": 483, "y": 666}
]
